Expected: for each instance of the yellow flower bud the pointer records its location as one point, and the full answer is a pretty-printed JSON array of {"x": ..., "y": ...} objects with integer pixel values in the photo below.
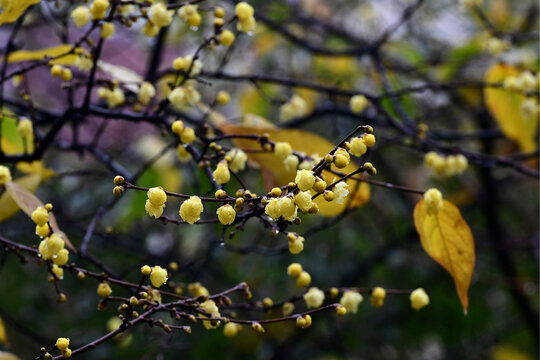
[
  {"x": 223, "y": 97},
  {"x": 304, "y": 279},
  {"x": 25, "y": 127},
  {"x": 146, "y": 270},
  {"x": 358, "y": 103},
  {"x": 187, "y": 136},
  {"x": 377, "y": 297},
  {"x": 222, "y": 174},
  {"x": 226, "y": 38},
  {"x": 244, "y": 10},
  {"x": 104, "y": 290}
]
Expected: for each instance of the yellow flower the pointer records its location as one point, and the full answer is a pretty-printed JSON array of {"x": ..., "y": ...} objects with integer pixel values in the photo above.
[
  {"x": 303, "y": 200},
  {"x": 159, "y": 15},
  {"x": 282, "y": 149},
  {"x": 358, "y": 103},
  {"x": 191, "y": 209},
  {"x": 226, "y": 214},
  {"x": 350, "y": 300},
  {"x": 419, "y": 299},
  {"x": 314, "y": 298},
  {"x": 358, "y": 147},
  {"x": 146, "y": 93},
  {"x": 80, "y": 15},
  {"x": 158, "y": 276},
  {"x": 272, "y": 209},
  {"x": 304, "y": 179},
  {"x": 433, "y": 200},
  {"x": 238, "y": 160},
  {"x": 287, "y": 208}
]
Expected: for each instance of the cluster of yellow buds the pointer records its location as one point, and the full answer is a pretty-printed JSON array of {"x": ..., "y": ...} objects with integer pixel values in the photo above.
[
  {"x": 304, "y": 321},
  {"x": 99, "y": 8},
  {"x": 210, "y": 307},
  {"x": 283, "y": 206},
  {"x": 526, "y": 81},
  {"x": 52, "y": 246},
  {"x": 146, "y": 93},
  {"x": 62, "y": 344},
  {"x": 159, "y": 15},
  {"x": 115, "y": 96},
  {"x": 186, "y": 134},
  {"x": 185, "y": 63},
  {"x": 303, "y": 279},
  {"x": 446, "y": 165},
  {"x": 246, "y": 20},
  {"x": 62, "y": 72},
  {"x": 495, "y": 45},
  {"x": 190, "y": 15}
]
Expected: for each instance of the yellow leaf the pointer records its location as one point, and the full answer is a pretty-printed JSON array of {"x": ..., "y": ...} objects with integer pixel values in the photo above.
[
  {"x": 504, "y": 106},
  {"x": 32, "y": 55},
  {"x": 4, "y": 355},
  {"x": 447, "y": 239},
  {"x": 12, "y": 9},
  {"x": 8, "y": 206},
  {"x": 3, "y": 334},
  {"x": 273, "y": 170},
  {"x": 12, "y": 142},
  {"x": 504, "y": 352},
  {"x": 35, "y": 167},
  {"x": 28, "y": 202}
]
